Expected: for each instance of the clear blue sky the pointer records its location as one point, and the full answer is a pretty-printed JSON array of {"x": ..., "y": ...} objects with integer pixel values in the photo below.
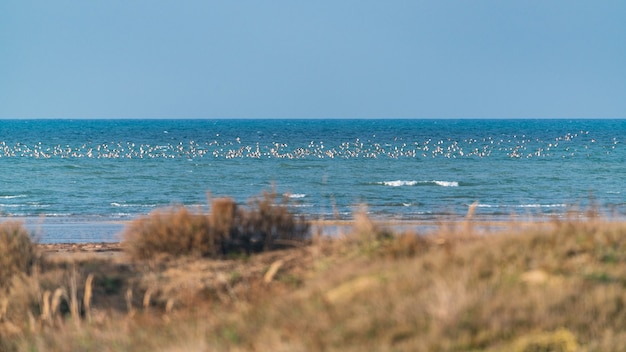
[{"x": 308, "y": 59}]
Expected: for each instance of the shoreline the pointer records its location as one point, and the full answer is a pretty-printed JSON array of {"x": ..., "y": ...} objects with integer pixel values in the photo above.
[
  {"x": 330, "y": 228},
  {"x": 85, "y": 234},
  {"x": 103, "y": 228}
]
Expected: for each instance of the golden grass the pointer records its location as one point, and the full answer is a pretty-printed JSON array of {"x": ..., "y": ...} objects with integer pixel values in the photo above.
[
  {"x": 17, "y": 252},
  {"x": 550, "y": 286}
]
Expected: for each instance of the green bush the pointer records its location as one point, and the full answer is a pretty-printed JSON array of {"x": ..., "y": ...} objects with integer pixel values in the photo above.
[{"x": 18, "y": 252}]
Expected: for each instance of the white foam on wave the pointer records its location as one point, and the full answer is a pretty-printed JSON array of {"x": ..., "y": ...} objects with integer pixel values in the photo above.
[
  {"x": 57, "y": 215},
  {"x": 481, "y": 205},
  {"x": 120, "y": 215},
  {"x": 120, "y": 205},
  {"x": 542, "y": 205},
  {"x": 400, "y": 183},
  {"x": 296, "y": 195},
  {"x": 37, "y": 205},
  {"x": 12, "y": 197},
  {"x": 447, "y": 183},
  {"x": 558, "y": 205},
  {"x": 301, "y": 205}
]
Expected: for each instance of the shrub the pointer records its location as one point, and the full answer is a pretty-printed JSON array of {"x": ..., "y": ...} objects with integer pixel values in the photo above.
[
  {"x": 18, "y": 252},
  {"x": 223, "y": 217},
  {"x": 264, "y": 225},
  {"x": 174, "y": 231},
  {"x": 269, "y": 224}
]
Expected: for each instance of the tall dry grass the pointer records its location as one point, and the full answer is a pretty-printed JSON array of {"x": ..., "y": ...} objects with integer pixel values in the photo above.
[
  {"x": 18, "y": 252},
  {"x": 546, "y": 286},
  {"x": 18, "y": 258}
]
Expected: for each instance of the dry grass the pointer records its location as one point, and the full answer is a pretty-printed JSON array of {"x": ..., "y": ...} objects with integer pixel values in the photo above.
[
  {"x": 17, "y": 252},
  {"x": 552, "y": 286}
]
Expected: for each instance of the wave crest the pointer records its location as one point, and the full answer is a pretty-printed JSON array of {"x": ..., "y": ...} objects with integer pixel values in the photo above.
[
  {"x": 400, "y": 183},
  {"x": 446, "y": 183}
]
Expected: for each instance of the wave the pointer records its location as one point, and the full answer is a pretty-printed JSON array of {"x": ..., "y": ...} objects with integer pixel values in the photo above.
[
  {"x": 532, "y": 205},
  {"x": 446, "y": 183},
  {"x": 398, "y": 183},
  {"x": 542, "y": 205},
  {"x": 121, "y": 215},
  {"x": 295, "y": 195},
  {"x": 55, "y": 215},
  {"x": 124, "y": 205},
  {"x": 301, "y": 205},
  {"x": 401, "y": 183},
  {"x": 12, "y": 197},
  {"x": 37, "y": 205}
]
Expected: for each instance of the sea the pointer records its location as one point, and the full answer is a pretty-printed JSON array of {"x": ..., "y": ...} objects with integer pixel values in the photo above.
[{"x": 83, "y": 180}]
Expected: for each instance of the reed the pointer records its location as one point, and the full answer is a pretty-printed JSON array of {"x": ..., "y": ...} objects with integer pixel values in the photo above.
[
  {"x": 147, "y": 297},
  {"x": 129, "y": 302},
  {"x": 45, "y": 310},
  {"x": 55, "y": 302},
  {"x": 74, "y": 304},
  {"x": 88, "y": 293}
]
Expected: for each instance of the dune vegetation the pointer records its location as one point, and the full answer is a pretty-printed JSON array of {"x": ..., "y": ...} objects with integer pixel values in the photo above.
[{"x": 257, "y": 277}]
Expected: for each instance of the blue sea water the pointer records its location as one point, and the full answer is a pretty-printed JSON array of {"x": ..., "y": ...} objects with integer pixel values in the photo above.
[{"x": 78, "y": 180}]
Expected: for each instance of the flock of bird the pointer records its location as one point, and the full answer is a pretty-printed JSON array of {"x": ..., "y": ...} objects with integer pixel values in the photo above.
[{"x": 513, "y": 147}]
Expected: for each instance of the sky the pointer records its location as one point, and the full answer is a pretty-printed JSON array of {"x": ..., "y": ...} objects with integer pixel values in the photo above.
[{"x": 312, "y": 59}]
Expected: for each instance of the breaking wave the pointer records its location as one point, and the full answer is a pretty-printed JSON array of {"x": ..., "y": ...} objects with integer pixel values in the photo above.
[{"x": 400, "y": 183}]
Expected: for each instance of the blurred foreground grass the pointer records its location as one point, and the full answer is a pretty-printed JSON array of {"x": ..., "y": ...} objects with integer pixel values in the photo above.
[{"x": 550, "y": 286}]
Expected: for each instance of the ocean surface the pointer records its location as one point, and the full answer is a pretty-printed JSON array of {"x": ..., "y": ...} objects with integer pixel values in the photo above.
[{"x": 79, "y": 180}]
